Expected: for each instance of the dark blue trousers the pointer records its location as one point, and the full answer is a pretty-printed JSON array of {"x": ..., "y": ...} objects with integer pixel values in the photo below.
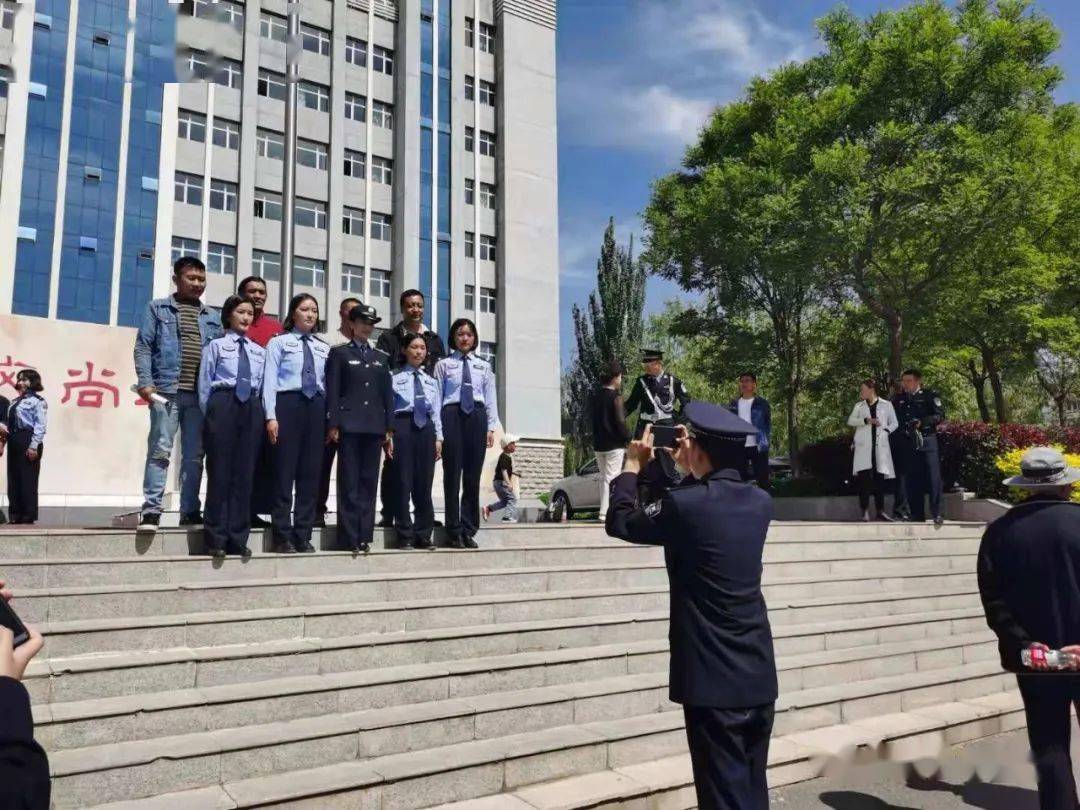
[
  {"x": 1048, "y": 706},
  {"x": 23, "y": 477},
  {"x": 357, "y": 481},
  {"x": 464, "y": 447},
  {"x": 297, "y": 459},
  {"x": 412, "y": 473},
  {"x": 923, "y": 479},
  {"x": 232, "y": 438},
  {"x": 729, "y": 751}
]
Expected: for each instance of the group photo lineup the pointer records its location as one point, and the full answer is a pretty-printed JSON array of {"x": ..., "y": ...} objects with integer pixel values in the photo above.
[{"x": 539, "y": 404}]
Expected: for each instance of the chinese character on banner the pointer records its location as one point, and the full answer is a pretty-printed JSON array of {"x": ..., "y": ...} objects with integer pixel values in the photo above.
[
  {"x": 91, "y": 391},
  {"x": 9, "y": 370}
]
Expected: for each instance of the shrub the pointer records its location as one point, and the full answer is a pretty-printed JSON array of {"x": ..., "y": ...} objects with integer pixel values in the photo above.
[{"x": 829, "y": 462}]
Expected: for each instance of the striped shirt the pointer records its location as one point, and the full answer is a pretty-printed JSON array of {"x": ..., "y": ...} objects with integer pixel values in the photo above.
[{"x": 190, "y": 345}]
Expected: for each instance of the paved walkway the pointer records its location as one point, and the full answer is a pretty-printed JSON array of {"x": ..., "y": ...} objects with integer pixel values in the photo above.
[{"x": 893, "y": 787}]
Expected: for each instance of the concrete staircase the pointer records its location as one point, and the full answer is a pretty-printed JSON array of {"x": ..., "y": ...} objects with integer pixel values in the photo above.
[{"x": 528, "y": 674}]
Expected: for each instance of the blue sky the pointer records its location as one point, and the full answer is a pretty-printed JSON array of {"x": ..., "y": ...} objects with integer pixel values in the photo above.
[{"x": 637, "y": 78}]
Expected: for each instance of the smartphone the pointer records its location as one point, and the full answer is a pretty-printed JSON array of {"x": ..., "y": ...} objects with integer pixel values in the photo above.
[
  {"x": 10, "y": 619},
  {"x": 666, "y": 436}
]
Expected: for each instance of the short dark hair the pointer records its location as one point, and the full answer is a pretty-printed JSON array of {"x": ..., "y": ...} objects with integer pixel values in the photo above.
[
  {"x": 32, "y": 378},
  {"x": 184, "y": 262},
  {"x": 344, "y": 301},
  {"x": 610, "y": 372},
  {"x": 296, "y": 301},
  {"x": 409, "y": 294},
  {"x": 230, "y": 305},
  {"x": 249, "y": 280},
  {"x": 912, "y": 372},
  {"x": 749, "y": 374},
  {"x": 460, "y": 322}
]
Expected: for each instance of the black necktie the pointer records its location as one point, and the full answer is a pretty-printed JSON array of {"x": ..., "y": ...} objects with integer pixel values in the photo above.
[
  {"x": 308, "y": 385},
  {"x": 243, "y": 373},
  {"x": 468, "y": 401},
  {"x": 420, "y": 403}
]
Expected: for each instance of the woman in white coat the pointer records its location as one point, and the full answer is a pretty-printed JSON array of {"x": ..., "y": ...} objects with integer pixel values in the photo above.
[{"x": 874, "y": 420}]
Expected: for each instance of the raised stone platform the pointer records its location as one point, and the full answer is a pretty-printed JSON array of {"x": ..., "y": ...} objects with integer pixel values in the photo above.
[{"x": 528, "y": 674}]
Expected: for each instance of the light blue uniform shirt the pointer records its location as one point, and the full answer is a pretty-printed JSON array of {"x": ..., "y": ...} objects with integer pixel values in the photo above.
[
  {"x": 285, "y": 362},
  {"x": 405, "y": 394},
  {"x": 221, "y": 362},
  {"x": 29, "y": 412},
  {"x": 448, "y": 375}
]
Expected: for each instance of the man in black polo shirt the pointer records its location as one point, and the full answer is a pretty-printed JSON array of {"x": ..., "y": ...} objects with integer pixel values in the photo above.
[{"x": 391, "y": 341}]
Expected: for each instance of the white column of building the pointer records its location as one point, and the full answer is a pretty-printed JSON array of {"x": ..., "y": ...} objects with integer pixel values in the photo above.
[
  {"x": 208, "y": 168},
  {"x": 121, "y": 180},
  {"x": 335, "y": 249},
  {"x": 476, "y": 165},
  {"x": 365, "y": 284},
  {"x": 170, "y": 100},
  {"x": 62, "y": 167},
  {"x": 433, "y": 304}
]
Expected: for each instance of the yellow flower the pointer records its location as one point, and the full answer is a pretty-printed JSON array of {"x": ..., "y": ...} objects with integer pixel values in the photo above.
[{"x": 1009, "y": 464}]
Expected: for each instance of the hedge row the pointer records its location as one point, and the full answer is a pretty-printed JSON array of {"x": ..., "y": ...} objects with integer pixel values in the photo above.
[{"x": 968, "y": 454}]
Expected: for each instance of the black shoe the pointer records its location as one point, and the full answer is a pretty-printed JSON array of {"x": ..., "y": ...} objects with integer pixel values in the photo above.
[
  {"x": 305, "y": 547},
  {"x": 436, "y": 523},
  {"x": 939, "y": 521},
  {"x": 455, "y": 542},
  {"x": 386, "y": 523},
  {"x": 422, "y": 545},
  {"x": 149, "y": 522},
  {"x": 218, "y": 554},
  {"x": 319, "y": 522},
  {"x": 245, "y": 553},
  {"x": 885, "y": 517},
  {"x": 468, "y": 542},
  {"x": 284, "y": 547},
  {"x": 360, "y": 548},
  {"x": 258, "y": 523},
  {"x": 191, "y": 519}
]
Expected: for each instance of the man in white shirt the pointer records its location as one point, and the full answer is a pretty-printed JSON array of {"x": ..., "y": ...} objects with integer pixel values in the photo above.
[{"x": 755, "y": 410}]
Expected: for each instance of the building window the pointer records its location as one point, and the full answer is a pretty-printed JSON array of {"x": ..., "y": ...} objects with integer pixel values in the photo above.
[
  {"x": 189, "y": 188},
  {"x": 356, "y": 51},
  {"x": 470, "y": 138},
  {"x": 226, "y": 134},
  {"x": 487, "y": 93},
  {"x": 470, "y": 88},
  {"x": 232, "y": 13},
  {"x": 487, "y": 300},
  {"x": 470, "y": 191},
  {"x": 487, "y": 144},
  {"x": 355, "y": 164},
  {"x": 314, "y": 96},
  {"x": 486, "y": 36},
  {"x": 191, "y": 126},
  {"x": 221, "y": 259},
  {"x": 381, "y": 226},
  {"x": 266, "y": 265},
  {"x": 470, "y": 31},
  {"x": 382, "y": 170},
  {"x": 470, "y": 297},
  {"x": 311, "y": 154},
  {"x": 379, "y": 284},
  {"x": 352, "y": 279},
  {"x": 184, "y": 247},
  {"x": 270, "y": 144},
  {"x": 230, "y": 74},
  {"x": 267, "y": 205},
  {"x": 7, "y": 15},
  {"x": 487, "y": 248},
  {"x": 487, "y": 351},
  {"x": 271, "y": 84},
  {"x": 271, "y": 26},
  {"x": 315, "y": 39},
  {"x": 352, "y": 221},
  {"x": 310, "y": 214},
  {"x": 198, "y": 64},
  {"x": 382, "y": 114},
  {"x": 309, "y": 272},
  {"x": 382, "y": 60},
  {"x": 470, "y": 246},
  {"x": 355, "y": 107},
  {"x": 223, "y": 195},
  {"x": 487, "y": 195}
]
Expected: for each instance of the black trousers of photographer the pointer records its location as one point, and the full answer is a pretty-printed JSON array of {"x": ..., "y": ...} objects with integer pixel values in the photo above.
[
  {"x": 1048, "y": 706},
  {"x": 922, "y": 479}
]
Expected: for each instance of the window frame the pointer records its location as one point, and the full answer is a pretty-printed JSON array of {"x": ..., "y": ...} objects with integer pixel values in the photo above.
[
  {"x": 470, "y": 139},
  {"x": 382, "y": 170},
  {"x": 187, "y": 121},
  {"x": 320, "y": 150},
  {"x": 382, "y": 224},
  {"x": 316, "y": 35},
  {"x": 485, "y": 92},
  {"x": 230, "y": 73},
  {"x": 226, "y": 191},
  {"x": 352, "y": 279},
  {"x": 267, "y": 138},
  {"x": 259, "y": 264},
  {"x": 349, "y": 217},
  {"x": 271, "y": 79},
  {"x": 485, "y": 34},
  {"x": 268, "y": 200},
  {"x": 489, "y": 195},
  {"x": 269, "y": 23},
  {"x": 355, "y": 45},
  {"x": 352, "y": 101},
  {"x": 231, "y": 130},
  {"x": 223, "y": 256},
  {"x": 382, "y": 114},
  {"x": 316, "y": 209},
  {"x": 380, "y": 284},
  {"x": 470, "y": 244},
  {"x": 488, "y": 144},
  {"x": 317, "y": 267},
  {"x": 470, "y": 297},
  {"x": 488, "y": 248},
  {"x": 351, "y": 159},
  {"x": 382, "y": 60},
  {"x": 193, "y": 247},
  {"x": 470, "y": 191},
  {"x": 306, "y": 90},
  {"x": 192, "y": 184},
  {"x": 488, "y": 300}
]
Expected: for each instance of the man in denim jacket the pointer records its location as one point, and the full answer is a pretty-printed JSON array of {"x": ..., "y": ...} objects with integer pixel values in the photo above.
[
  {"x": 168, "y": 349},
  {"x": 755, "y": 410}
]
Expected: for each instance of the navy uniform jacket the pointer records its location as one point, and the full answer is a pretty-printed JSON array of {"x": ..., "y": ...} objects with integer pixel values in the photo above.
[
  {"x": 1029, "y": 577},
  {"x": 713, "y": 533},
  {"x": 359, "y": 391},
  {"x": 656, "y": 397},
  {"x": 390, "y": 342},
  {"x": 924, "y": 406},
  {"x": 24, "y": 767}
]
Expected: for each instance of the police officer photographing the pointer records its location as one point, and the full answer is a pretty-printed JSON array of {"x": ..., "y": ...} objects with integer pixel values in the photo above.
[
  {"x": 919, "y": 411},
  {"x": 712, "y": 526}
]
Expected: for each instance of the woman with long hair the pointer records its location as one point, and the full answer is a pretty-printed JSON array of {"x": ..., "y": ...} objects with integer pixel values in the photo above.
[
  {"x": 873, "y": 419},
  {"x": 294, "y": 401},
  {"x": 27, "y": 419},
  {"x": 470, "y": 417}
]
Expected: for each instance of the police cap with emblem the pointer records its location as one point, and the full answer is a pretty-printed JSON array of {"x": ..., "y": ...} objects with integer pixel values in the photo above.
[
  {"x": 649, "y": 355},
  {"x": 708, "y": 421},
  {"x": 364, "y": 312}
]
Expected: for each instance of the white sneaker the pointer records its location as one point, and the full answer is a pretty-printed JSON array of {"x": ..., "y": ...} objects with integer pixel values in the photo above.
[
  {"x": 148, "y": 522},
  {"x": 509, "y": 519}
]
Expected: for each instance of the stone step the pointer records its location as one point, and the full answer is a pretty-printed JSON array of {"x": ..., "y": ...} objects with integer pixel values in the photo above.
[
  {"x": 128, "y": 771},
  {"x": 38, "y": 574}
]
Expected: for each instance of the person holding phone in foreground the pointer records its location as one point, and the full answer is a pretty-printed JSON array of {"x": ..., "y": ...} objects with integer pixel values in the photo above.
[
  {"x": 712, "y": 526},
  {"x": 24, "y": 767}
]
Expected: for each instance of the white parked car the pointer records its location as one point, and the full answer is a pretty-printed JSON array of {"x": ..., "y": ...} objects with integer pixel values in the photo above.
[{"x": 578, "y": 492}]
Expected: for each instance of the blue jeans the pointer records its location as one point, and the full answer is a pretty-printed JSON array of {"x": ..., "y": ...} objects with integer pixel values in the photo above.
[
  {"x": 507, "y": 499},
  {"x": 182, "y": 413}
]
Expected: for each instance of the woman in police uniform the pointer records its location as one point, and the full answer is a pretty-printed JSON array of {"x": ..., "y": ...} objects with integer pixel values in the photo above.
[
  {"x": 230, "y": 381},
  {"x": 26, "y": 422},
  {"x": 294, "y": 401},
  {"x": 470, "y": 418},
  {"x": 417, "y": 444}
]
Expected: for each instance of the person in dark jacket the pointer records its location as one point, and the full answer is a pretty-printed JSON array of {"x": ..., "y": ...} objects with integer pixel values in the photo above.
[
  {"x": 5, "y": 406},
  {"x": 1029, "y": 581},
  {"x": 330, "y": 449},
  {"x": 24, "y": 766},
  {"x": 755, "y": 410},
  {"x": 609, "y": 432},
  {"x": 919, "y": 412},
  {"x": 360, "y": 404},
  {"x": 712, "y": 527},
  {"x": 27, "y": 419}
]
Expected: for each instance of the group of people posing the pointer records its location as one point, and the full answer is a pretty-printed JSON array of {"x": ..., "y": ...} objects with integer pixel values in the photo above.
[{"x": 272, "y": 404}]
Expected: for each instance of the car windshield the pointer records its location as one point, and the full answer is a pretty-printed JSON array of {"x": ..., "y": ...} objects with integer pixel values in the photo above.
[{"x": 590, "y": 468}]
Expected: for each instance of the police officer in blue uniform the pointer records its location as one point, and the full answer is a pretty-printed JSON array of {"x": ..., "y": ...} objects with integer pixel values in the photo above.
[
  {"x": 919, "y": 412},
  {"x": 418, "y": 440},
  {"x": 26, "y": 422},
  {"x": 294, "y": 402},
  {"x": 712, "y": 527},
  {"x": 360, "y": 401},
  {"x": 230, "y": 384}
]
